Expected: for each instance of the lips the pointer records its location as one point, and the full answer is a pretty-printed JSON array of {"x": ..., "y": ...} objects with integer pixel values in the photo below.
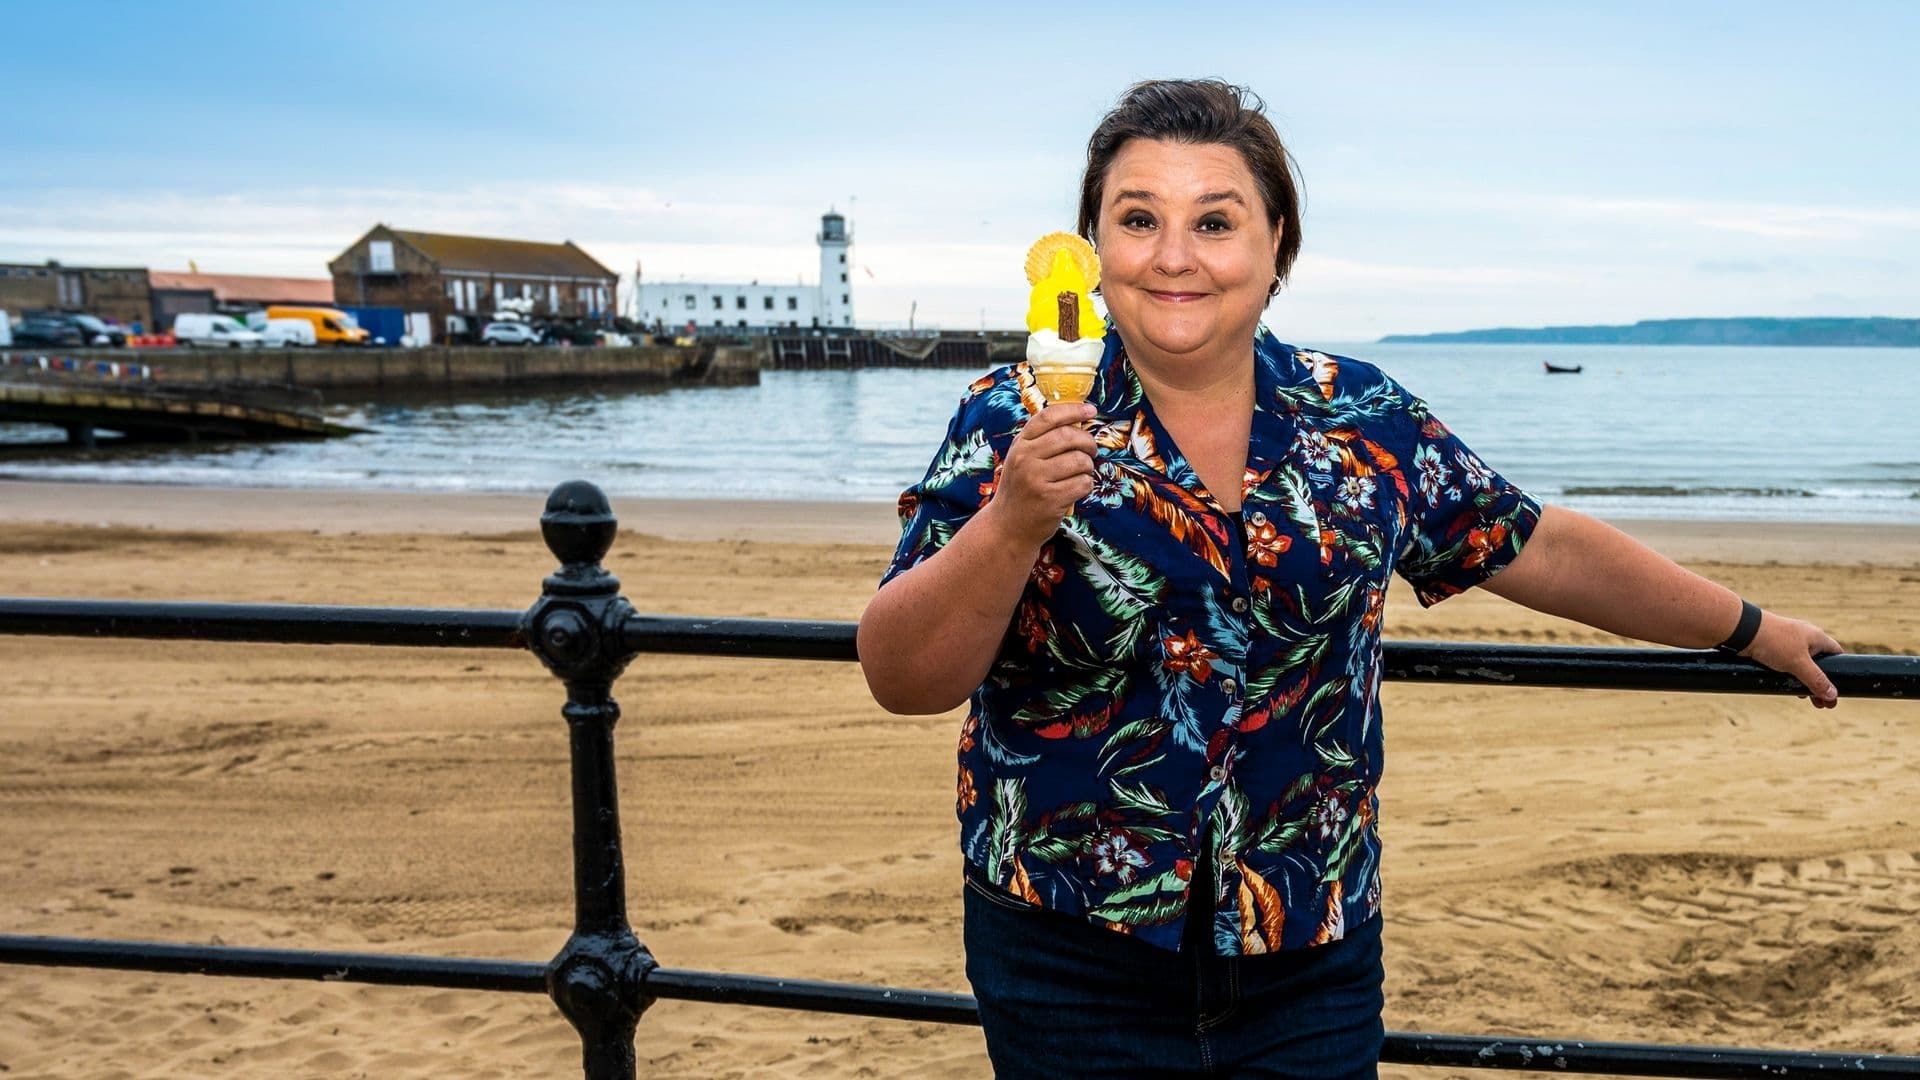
[{"x": 1176, "y": 297}]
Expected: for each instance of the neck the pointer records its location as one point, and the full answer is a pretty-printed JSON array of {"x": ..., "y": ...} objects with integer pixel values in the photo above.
[{"x": 1215, "y": 377}]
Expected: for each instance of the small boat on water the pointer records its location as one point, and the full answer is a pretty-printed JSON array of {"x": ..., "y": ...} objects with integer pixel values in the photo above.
[{"x": 1555, "y": 369}]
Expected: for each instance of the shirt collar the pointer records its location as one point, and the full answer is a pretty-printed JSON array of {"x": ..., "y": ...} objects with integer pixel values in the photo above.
[{"x": 1117, "y": 393}]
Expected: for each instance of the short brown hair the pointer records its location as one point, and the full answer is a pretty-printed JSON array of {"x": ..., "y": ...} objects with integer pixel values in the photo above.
[{"x": 1203, "y": 112}]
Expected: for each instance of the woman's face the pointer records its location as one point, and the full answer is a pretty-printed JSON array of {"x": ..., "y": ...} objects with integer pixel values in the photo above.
[{"x": 1186, "y": 254}]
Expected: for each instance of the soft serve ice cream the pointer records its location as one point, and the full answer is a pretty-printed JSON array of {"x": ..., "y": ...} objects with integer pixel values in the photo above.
[{"x": 1064, "y": 333}]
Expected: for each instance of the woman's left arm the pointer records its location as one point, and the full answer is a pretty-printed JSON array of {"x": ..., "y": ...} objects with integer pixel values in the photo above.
[{"x": 1583, "y": 569}]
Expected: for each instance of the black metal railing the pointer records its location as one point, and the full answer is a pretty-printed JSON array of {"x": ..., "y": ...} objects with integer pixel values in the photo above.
[{"x": 604, "y": 978}]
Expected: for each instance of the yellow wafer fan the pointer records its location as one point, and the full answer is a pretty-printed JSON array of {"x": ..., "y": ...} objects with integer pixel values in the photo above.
[{"x": 1040, "y": 257}]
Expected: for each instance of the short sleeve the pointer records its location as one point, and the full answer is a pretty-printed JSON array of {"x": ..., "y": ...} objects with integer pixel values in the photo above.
[
  {"x": 959, "y": 480},
  {"x": 1465, "y": 522}
]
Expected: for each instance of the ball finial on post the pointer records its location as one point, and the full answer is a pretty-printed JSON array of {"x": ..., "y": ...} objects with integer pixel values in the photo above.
[{"x": 578, "y": 525}]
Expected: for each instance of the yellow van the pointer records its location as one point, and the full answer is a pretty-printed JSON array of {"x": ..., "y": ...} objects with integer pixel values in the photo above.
[{"x": 331, "y": 326}]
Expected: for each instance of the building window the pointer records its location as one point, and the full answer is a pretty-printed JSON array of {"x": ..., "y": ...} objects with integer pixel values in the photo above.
[
  {"x": 743, "y": 324},
  {"x": 769, "y": 301},
  {"x": 793, "y": 303},
  {"x": 843, "y": 279},
  {"x": 740, "y": 303},
  {"x": 843, "y": 258},
  {"x": 844, "y": 300},
  {"x": 719, "y": 304},
  {"x": 689, "y": 301}
]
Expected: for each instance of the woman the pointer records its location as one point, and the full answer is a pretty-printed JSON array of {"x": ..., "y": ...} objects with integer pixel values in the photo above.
[{"x": 1165, "y": 606}]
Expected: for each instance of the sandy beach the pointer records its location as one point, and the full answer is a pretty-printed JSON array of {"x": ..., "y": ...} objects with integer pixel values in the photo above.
[{"x": 1610, "y": 865}]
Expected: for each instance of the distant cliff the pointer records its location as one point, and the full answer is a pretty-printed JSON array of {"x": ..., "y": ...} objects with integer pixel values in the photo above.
[{"x": 1893, "y": 332}]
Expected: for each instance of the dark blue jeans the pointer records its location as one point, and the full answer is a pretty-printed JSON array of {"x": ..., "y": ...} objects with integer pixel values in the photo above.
[{"x": 1060, "y": 998}]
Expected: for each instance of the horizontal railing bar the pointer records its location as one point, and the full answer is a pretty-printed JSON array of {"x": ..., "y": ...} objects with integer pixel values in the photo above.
[
  {"x": 893, "y": 1003},
  {"x": 766, "y": 639},
  {"x": 1635, "y": 1059},
  {"x": 288, "y": 624},
  {"x": 449, "y": 973},
  {"x": 883, "y": 1002},
  {"x": 1857, "y": 675}
]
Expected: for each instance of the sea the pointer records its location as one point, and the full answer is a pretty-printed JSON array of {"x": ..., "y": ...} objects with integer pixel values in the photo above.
[{"x": 1764, "y": 434}]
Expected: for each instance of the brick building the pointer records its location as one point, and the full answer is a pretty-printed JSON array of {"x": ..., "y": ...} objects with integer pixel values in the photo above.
[
  {"x": 118, "y": 294},
  {"x": 467, "y": 277},
  {"x": 178, "y": 292}
]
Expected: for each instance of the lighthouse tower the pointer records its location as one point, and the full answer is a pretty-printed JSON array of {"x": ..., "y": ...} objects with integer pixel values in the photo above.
[{"x": 836, "y": 272}]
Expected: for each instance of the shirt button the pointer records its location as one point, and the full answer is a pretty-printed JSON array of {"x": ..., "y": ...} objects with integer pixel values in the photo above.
[
  {"x": 1240, "y": 604},
  {"x": 1218, "y": 773},
  {"x": 1229, "y": 687}
]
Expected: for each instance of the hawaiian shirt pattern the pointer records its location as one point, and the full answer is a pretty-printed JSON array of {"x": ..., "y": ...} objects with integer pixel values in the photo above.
[{"x": 1176, "y": 675}]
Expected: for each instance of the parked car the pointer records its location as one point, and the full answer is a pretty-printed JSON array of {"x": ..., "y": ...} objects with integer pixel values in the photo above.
[
  {"x": 509, "y": 332},
  {"x": 6, "y": 330},
  {"x": 614, "y": 338},
  {"x": 93, "y": 330},
  {"x": 279, "y": 333},
  {"x": 214, "y": 331},
  {"x": 570, "y": 333},
  {"x": 331, "y": 326},
  {"x": 49, "y": 331}
]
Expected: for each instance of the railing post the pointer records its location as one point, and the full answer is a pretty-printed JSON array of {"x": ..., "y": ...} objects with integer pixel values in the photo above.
[{"x": 599, "y": 978}]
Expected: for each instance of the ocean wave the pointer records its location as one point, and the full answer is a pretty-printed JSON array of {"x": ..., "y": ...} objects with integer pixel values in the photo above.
[{"x": 1672, "y": 491}]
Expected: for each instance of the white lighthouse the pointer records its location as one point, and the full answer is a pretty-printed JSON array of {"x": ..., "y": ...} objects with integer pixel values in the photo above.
[
  {"x": 836, "y": 286},
  {"x": 754, "y": 308}
]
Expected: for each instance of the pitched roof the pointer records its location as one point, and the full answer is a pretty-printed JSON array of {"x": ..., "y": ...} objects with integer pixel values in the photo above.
[
  {"x": 248, "y": 288},
  {"x": 486, "y": 254}
]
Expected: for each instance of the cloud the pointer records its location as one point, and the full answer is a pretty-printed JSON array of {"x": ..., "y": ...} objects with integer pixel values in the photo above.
[{"x": 1771, "y": 220}]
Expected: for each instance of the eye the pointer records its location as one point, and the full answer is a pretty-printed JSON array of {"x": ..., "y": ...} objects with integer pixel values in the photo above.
[
  {"x": 1214, "y": 223},
  {"x": 1137, "y": 219}
]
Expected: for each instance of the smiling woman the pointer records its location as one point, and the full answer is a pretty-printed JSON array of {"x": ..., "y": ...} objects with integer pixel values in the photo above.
[{"x": 1166, "y": 607}]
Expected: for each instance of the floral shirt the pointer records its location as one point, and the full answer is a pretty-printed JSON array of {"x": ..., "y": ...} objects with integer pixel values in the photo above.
[{"x": 1176, "y": 675}]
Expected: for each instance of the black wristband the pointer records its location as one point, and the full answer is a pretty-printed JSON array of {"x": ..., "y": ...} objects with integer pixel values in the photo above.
[{"x": 1742, "y": 635}]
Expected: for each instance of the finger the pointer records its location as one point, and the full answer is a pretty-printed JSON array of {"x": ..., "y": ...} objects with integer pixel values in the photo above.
[
  {"x": 1819, "y": 687},
  {"x": 1064, "y": 440},
  {"x": 1828, "y": 646},
  {"x": 1066, "y": 466},
  {"x": 1065, "y": 414}
]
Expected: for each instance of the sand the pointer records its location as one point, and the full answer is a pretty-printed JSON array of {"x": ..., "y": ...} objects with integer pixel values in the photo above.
[{"x": 1665, "y": 867}]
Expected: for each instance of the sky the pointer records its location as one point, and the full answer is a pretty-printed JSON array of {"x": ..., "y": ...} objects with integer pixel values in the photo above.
[{"x": 1465, "y": 165}]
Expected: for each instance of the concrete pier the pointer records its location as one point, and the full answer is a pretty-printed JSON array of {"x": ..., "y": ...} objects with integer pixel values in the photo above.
[{"x": 438, "y": 367}]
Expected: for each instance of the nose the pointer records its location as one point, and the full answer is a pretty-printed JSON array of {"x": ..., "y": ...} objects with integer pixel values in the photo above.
[{"x": 1173, "y": 253}]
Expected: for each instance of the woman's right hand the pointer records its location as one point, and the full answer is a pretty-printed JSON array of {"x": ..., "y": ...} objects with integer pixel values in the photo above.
[{"x": 1048, "y": 468}]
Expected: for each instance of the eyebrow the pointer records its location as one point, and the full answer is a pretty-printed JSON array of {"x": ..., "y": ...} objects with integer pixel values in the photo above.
[{"x": 1209, "y": 197}]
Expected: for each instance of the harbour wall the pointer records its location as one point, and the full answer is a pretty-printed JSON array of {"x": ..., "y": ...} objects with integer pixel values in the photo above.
[{"x": 438, "y": 367}]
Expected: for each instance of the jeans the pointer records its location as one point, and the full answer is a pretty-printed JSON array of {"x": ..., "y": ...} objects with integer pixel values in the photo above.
[{"x": 1060, "y": 997}]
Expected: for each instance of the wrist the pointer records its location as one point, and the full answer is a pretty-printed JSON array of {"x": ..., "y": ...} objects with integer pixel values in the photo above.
[
  {"x": 1744, "y": 631},
  {"x": 1011, "y": 534}
]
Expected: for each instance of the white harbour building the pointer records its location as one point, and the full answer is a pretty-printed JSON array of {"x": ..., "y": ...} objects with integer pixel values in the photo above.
[{"x": 755, "y": 307}]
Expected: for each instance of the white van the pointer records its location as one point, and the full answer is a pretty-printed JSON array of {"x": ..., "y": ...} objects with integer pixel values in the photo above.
[
  {"x": 214, "y": 331},
  {"x": 279, "y": 333}
]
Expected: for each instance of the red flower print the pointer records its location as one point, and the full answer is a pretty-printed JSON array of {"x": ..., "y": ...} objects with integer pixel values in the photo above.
[
  {"x": 967, "y": 795},
  {"x": 1376, "y": 599},
  {"x": 1264, "y": 541},
  {"x": 1046, "y": 572},
  {"x": 1186, "y": 655},
  {"x": 1482, "y": 543},
  {"x": 1032, "y": 625}
]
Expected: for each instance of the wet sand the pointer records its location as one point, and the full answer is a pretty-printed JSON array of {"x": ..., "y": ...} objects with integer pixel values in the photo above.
[{"x": 1639, "y": 866}]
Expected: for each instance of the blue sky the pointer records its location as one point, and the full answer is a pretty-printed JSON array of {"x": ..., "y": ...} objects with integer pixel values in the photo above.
[{"x": 1465, "y": 165}]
